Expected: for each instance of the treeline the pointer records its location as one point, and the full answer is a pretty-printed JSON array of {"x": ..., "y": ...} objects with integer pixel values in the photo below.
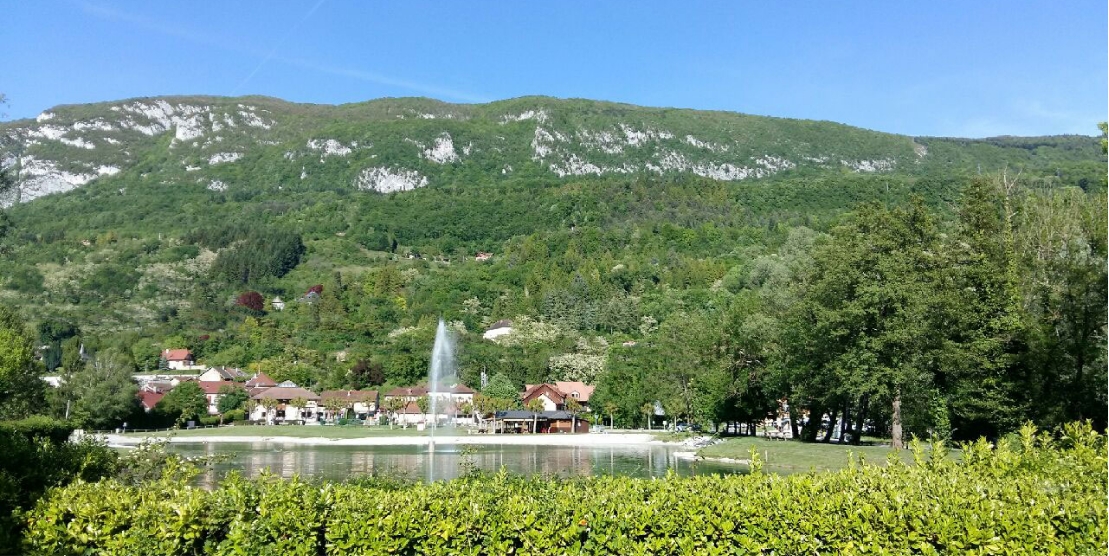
[{"x": 898, "y": 323}]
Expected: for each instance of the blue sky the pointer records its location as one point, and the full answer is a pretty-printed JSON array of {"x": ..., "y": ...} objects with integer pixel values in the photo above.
[{"x": 924, "y": 68}]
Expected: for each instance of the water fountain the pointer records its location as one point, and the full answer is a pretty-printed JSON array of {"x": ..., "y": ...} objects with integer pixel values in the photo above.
[{"x": 441, "y": 372}]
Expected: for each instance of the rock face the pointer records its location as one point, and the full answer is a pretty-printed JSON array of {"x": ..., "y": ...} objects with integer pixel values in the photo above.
[{"x": 395, "y": 145}]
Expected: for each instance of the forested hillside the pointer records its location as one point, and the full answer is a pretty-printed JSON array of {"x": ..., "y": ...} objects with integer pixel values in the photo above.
[{"x": 712, "y": 261}]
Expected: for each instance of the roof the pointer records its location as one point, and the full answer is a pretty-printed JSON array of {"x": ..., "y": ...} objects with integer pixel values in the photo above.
[
  {"x": 536, "y": 390},
  {"x": 545, "y": 415},
  {"x": 411, "y": 408},
  {"x": 350, "y": 395},
  {"x": 283, "y": 393},
  {"x": 226, "y": 373},
  {"x": 503, "y": 323},
  {"x": 456, "y": 389},
  {"x": 177, "y": 355},
  {"x": 158, "y": 386},
  {"x": 568, "y": 388},
  {"x": 404, "y": 392},
  {"x": 213, "y": 386},
  {"x": 149, "y": 399},
  {"x": 260, "y": 380}
]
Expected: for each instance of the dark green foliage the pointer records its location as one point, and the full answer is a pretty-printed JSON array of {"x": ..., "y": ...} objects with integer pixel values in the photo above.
[
  {"x": 37, "y": 455},
  {"x": 1031, "y": 496},
  {"x": 263, "y": 254},
  {"x": 231, "y": 398},
  {"x": 185, "y": 402}
]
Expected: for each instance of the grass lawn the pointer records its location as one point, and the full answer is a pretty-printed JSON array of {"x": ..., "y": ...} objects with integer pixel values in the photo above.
[
  {"x": 791, "y": 456},
  {"x": 301, "y": 431}
]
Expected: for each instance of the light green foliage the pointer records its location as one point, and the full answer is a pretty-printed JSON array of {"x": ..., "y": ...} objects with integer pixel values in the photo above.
[
  {"x": 500, "y": 387},
  {"x": 21, "y": 390},
  {"x": 102, "y": 393},
  {"x": 1038, "y": 496}
]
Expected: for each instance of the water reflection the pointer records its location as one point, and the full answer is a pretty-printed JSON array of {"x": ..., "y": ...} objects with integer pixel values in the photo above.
[{"x": 446, "y": 462}]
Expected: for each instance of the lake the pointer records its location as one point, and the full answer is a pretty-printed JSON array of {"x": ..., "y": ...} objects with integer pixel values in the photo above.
[{"x": 446, "y": 462}]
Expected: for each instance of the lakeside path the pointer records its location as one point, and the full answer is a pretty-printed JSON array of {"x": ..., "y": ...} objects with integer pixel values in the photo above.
[{"x": 608, "y": 439}]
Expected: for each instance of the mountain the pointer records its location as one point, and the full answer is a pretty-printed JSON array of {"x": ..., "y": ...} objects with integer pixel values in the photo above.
[
  {"x": 262, "y": 144},
  {"x": 154, "y": 214}
]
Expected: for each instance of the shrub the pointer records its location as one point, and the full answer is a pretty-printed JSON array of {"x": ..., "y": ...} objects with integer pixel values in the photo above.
[
  {"x": 35, "y": 455},
  {"x": 1038, "y": 496}
]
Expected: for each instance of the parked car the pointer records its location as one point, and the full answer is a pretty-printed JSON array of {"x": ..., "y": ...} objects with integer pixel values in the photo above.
[{"x": 687, "y": 427}]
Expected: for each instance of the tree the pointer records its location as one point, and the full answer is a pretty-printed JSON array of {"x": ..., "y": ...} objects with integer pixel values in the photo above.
[
  {"x": 424, "y": 403},
  {"x": 252, "y": 301},
  {"x": 22, "y": 392},
  {"x": 366, "y": 373},
  {"x": 535, "y": 407},
  {"x": 231, "y": 397},
  {"x": 648, "y": 409},
  {"x": 270, "y": 404},
  {"x": 335, "y": 407},
  {"x": 573, "y": 407},
  {"x": 610, "y": 409},
  {"x": 500, "y": 387},
  {"x": 186, "y": 401},
  {"x": 103, "y": 392},
  {"x": 299, "y": 403},
  {"x": 393, "y": 405},
  {"x": 866, "y": 328}
]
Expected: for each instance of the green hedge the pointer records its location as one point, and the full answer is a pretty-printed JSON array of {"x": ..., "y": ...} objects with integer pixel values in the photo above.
[
  {"x": 39, "y": 427},
  {"x": 1036, "y": 496},
  {"x": 35, "y": 455}
]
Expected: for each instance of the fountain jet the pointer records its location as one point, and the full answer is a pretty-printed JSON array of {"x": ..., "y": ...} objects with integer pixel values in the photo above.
[{"x": 441, "y": 372}]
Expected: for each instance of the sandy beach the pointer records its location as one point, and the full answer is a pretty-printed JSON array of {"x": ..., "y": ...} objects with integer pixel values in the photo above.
[{"x": 612, "y": 439}]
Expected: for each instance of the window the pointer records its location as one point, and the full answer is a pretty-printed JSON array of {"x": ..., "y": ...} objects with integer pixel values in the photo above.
[{"x": 574, "y": 395}]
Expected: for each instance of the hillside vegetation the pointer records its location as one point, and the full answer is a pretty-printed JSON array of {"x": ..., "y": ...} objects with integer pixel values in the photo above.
[{"x": 711, "y": 261}]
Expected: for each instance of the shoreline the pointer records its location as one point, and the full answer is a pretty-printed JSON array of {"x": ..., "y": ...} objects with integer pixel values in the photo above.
[{"x": 611, "y": 439}]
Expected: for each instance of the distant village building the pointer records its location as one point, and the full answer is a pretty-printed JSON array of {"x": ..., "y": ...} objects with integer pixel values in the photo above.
[
  {"x": 212, "y": 392},
  {"x": 499, "y": 328},
  {"x": 179, "y": 359},
  {"x": 278, "y": 304},
  {"x": 215, "y": 374},
  {"x": 554, "y": 395},
  {"x": 448, "y": 404},
  {"x": 363, "y": 403},
  {"x": 483, "y": 256}
]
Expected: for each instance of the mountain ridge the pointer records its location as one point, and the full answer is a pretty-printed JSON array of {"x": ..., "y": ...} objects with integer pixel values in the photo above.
[{"x": 397, "y": 144}]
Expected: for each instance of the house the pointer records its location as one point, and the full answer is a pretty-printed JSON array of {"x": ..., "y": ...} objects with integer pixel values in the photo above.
[
  {"x": 543, "y": 421},
  {"x": 448, "y": 403},
  {"x": 483, "y": 256},
  {"x": 554, "y": 395},
  {"x": 499, "y": 328},
  {"x": 363, "y": 403},
  {"x": 212, "y": 389},
  {"x": 178, "y": 359},
  {"x": 218, "y": 374},
  {"x": 547, "y": 394},
  {"x": 278, "y": 304},
  {"x": 576, "y": 390},
  {"x": 149, "y": 399},
  {"x": 283, "y": 410},
  {"x": 411, "y": 414},
  {"x": 260, "y": 380}
]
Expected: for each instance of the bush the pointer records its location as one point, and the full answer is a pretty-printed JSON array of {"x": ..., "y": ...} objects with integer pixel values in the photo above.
[
  {"x": 39, "y": 427},
  {"x": 1038, "y": 497},
  {"x": 234, "y": 415},
  {"x": 36, "y": 455}
]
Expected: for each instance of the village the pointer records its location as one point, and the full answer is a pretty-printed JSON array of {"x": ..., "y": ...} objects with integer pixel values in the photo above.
[{"x": 557, "y": 407}]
